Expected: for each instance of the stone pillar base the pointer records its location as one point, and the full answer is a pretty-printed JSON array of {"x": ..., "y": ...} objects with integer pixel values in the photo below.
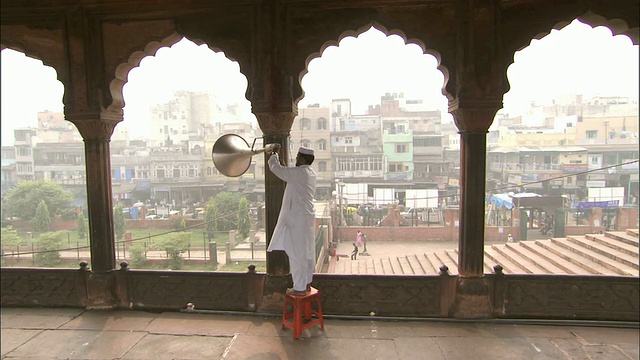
[
  {"x": 472, "y": 298},
  {"x": 100, "y": 291},
  {"x": 273, "y": 295}
]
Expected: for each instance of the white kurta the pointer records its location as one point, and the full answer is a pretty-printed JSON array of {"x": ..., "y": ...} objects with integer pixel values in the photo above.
[{"x": 295, "y": 229}]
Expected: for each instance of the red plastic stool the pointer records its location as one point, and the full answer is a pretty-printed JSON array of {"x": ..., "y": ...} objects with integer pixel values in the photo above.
[{"x": 300, "y": 304}]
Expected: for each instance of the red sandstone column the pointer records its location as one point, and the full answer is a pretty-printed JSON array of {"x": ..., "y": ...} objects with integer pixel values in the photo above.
[
  {"x": 97, "y": 134},
  {"x": 276, "y": 131},
  {"x": 473, "y": 123},
  {"x": 277, "y": 262}
]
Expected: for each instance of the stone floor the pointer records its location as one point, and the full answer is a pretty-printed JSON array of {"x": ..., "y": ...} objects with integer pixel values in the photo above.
[{"x": 56, "y": 333}]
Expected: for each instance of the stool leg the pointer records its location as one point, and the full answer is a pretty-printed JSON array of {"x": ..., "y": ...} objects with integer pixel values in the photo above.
[
  {"x": 284, "y": 312},
  {"x": 307, "y": 310},
  {"x": 320, "y": 314},
  {"x": 297, "y": 324}
]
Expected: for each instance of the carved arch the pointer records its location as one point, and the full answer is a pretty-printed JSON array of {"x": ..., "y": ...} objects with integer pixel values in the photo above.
[
  {"x": 522, "y": 38},
  {"x": 617, "y": 26},
  {"x": 376, "y": 25},
  {"x": 122, "y": 70},
  {"x": 150, "y": 49},
  {"x": 49, "y": 51}
]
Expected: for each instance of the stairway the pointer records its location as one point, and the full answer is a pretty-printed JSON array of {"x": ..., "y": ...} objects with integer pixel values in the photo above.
[{"x": 611, "y": 253}]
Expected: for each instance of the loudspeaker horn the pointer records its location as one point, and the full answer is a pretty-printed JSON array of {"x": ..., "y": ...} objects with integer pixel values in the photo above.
[{"x": 231, "y": 154}]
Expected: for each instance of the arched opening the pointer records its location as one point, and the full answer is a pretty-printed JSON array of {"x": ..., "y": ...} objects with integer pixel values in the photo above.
[
  {"x": 44, "y": 196},
  {"x": 566, "y": 139},
  {"x": 179, "y": 101}
]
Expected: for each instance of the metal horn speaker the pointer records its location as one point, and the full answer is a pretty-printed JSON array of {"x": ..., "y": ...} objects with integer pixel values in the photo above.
[{"x": 231, "y": 154}]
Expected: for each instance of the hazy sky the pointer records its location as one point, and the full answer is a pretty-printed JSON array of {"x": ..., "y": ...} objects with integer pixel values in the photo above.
[{"x": 577, "y": 59}]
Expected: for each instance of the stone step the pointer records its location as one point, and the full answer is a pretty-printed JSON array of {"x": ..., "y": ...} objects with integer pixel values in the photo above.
[
  {"x": 588, "y": 266},
  {"x": 385, "y": 265},
  {"x": 622, "y": 236},
  {"x": 596, "y": 259},
  {"x": 426, "y": 264},
  {"x": 371, "y": 269},
  {"x": 415, "y": 264},
  {"x": 405, "y": 267},
  {"x": 604, "y": 250},
  {"x": 395, "y": 265},
  {"x": 508, "y": 267},
  {"x": 444, "y": 259},
  {"x": 453, "y": 257},
  {"x": 633, "y": 232},
  {"x": 515, "y": 257},
  {"x": 542, "y": 263},
  {"x": 614, "y": 244},
  {"x": 558, "y": 261}
]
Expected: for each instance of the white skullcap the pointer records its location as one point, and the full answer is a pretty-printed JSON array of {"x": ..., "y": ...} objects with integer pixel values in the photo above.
[{"x": 305, "y": 150}]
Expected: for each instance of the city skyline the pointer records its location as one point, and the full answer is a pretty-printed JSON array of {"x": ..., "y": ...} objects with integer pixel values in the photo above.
[{"x": 542, "y": 71}]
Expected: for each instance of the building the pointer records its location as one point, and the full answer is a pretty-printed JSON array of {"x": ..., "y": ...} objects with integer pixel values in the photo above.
[{"x": 94, "y": 44}]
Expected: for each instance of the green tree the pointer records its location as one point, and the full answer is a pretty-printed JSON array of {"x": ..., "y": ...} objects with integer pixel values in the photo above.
[
  {"x": 244, "y": 221},
  {"x": 138, "y": 254},
  {"x": 9, "y": 237},
  {"x": 118, "y": 221},
  {"x": 226, "y": 210},
  {"x": 24, "y": 198},
  {"x": 81, "y": 225},
  {"x": 48, "y": 244},
  {"x": 174, "y": 244},
  {"x": 42, "y": 220},
  {"x": 210, "y": 218},
  {"x": 178, "y": 222}
]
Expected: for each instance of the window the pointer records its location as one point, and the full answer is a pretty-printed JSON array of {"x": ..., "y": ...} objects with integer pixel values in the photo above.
[
  {"x": 348, "y": 140},
  {"x": 322, "y": 145},
  {"x": 427, "y": 142},
  {"x": 305, "y": 124},
  {"x": 401, "y": 148},
  {"x": 396, "y": 167},
  {"x": 305, "y": 143},
  {"x": 322, "y": 166},
  {"x": 592, "y": 134},
  {"x": 322, "y": 124},
  {"x": 24, "y": 151}
]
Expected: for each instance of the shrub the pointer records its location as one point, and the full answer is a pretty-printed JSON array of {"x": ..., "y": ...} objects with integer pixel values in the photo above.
[
  {"x": 48, "y": 244},
  {"x": 138, "y": 254},
  {"x": 174, "y": 244}
]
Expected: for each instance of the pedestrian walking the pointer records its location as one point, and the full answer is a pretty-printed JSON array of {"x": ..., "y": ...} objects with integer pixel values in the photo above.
[{"x": 354, "y": 253}]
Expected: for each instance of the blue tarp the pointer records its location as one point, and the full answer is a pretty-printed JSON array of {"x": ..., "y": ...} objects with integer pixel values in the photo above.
[
  {"x": 502, "y": 200},
  {"x": 506, "y": 200}
]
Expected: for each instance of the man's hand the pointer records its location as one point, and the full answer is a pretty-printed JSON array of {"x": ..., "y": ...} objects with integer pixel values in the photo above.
[{"x": 272, "y": 148}]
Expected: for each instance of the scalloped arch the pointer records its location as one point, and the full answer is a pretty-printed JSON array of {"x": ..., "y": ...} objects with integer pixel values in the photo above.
[
  {"x": 617, "y": 26},
  {"x": 376, "y": 25},
  {"x": 151, "y": 49},
  {"x": 42, "y": 59}
]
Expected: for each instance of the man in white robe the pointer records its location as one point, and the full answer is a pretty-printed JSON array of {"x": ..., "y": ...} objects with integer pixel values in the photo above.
[{"x": 295, "y": 230}]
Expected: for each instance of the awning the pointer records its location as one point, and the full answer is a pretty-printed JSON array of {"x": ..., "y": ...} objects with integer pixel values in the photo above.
[{"x": 123, "y": 188}]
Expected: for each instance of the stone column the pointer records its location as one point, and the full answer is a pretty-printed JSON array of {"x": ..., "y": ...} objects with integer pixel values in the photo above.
[
  {"x": 473, "y": 124},
  {"x": 96, "y": 133},
  {"x": 277, "y": 262},
  {"x": 276, "y": 130},
  {"x": 472, "y": 296}
]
